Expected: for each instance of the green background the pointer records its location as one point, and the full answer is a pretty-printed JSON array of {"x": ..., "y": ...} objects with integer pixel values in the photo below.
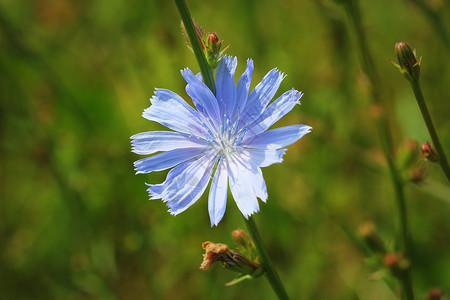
[{"x": 76, "y": 223}]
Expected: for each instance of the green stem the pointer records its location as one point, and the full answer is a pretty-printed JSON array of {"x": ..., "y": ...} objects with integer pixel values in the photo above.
[
  {"x": 205, "y": 69},
  {"x": 368, "y": 66},
  {"x": 429, "y": 122},
  {"x": 208, "y": 78},
  {"x": 271, "y": 273}
]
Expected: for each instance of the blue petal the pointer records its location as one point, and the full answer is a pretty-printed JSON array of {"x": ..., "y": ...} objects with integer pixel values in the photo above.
[
  {"x": 201, "y": 93},
  {"x": 263, "y": 157},
  {"x": 261, "y": 95},
  {"x": 156, "y": 190},
  {"x": 188, "y": 187},
  {"x": 154, "y": 141},
  {"x": 259, "y": 184},
  {"x": 225, "y": 87},
  {"x": 172, "y": 111},
  {"x": 240, "y": 185},
  {"x": 277, "y": 138},
  {"x": 165, "y": 160},
  {"x": 217, "y": 200},
  {"x": 243, "y": 87},
  {"x": 275, "y": 111}
]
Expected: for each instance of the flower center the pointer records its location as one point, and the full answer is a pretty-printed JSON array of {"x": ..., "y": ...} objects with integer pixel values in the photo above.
[
  {"x": 224, "y": 146},
  {"x": 224, "y": 138}
]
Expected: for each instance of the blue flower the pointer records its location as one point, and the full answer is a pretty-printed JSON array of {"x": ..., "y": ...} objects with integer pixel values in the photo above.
[{"x": 225, "y": 137}]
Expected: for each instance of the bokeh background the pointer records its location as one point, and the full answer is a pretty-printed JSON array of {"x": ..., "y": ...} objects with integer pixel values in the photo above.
[{"x": 76, "y": 223}]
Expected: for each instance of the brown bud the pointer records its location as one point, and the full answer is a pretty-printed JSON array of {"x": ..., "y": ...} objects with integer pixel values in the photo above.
[
  {"x": 397, "y": 263},
  {"x": 241, "y": 238},
  {"x": 390, "y": 260},
  {"x": 418, "y": 175},
  {"x": 231, "y": 259},
  {"x": 435, "y": 294}
]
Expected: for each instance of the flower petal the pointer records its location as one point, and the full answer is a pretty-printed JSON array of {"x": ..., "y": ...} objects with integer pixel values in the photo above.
[
  {"x": 275, "y": 111},
  {"x": 225, "y": 87},
  {"x": 217, "y": 200},
  {"x": 261, "y": 95},
  {"x": 154, "y": 141},
  {"x": 277, "y": 138},
  {"x": 201, "y": 94},
  {"x": 165, "y": 160},
  {"x": 156, "y": 190},
  {"x": 243, "y": 88},
  {"x": 188, "y": 187},
  {"x": 241, "y": 188},
  {"x": 263, "y": 157},
  {"x": 172, "y": 111}
]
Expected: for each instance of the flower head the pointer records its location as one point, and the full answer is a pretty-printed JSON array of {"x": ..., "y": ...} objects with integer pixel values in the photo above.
[{"x": 225, "y": 137}]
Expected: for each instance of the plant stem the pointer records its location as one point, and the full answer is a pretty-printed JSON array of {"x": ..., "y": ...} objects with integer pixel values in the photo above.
[
  {"x": 429, "y": 122},
  {"x": 207, "y": 72},
  {"x": 271, "y": 273},
  {"x": 208, "y": 78},
  {"x": 368, "y": 66}
]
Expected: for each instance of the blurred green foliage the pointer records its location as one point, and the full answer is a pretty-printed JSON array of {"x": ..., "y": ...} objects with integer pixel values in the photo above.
[{"x": 75, "y": 76}]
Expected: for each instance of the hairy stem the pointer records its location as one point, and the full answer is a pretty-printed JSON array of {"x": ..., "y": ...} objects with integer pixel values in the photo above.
[
  {"x": 368, "y": 66},
  {"x": 429, "y": 122},
  {"x": 271, "y": 273},
  {"x": 207, "y": 72},
  {"x": 208, "y": 78}
]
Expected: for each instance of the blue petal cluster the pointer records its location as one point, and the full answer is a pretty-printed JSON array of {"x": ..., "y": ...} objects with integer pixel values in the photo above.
[{"x": 225, "y": 137}]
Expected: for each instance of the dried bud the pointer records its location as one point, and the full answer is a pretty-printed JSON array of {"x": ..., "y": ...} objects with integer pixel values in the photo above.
[
  {"x": 435, "y": 294},
  {"x": 231, "y": 259},
  {"x": 408, "y": 64},
  {"x": 429, "y": 153},
  {"x": 367, "y": 231}
]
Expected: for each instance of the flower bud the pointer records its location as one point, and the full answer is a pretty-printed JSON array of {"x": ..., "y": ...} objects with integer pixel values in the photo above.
[
  {"x": 232, "y": 260},
  {"x": 407, "y": 154},
  {"x": 408, "y": 64},
  {"x": 367, "y": 231},
  {"x": 435, "y": 294},
  {"x": 212, "y": 49},
  {"x": 241, "y": 238},
  {"x": 429, "y": 153},
  {"x": 417, "y": 175},
  {"x": 210, "y": 44},
  {"x": 396, "y": 263},
  {"x": 212, "y": 39}
]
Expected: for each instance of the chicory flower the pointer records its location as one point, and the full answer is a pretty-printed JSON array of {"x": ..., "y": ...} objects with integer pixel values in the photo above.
[{"x": 225, "y": 137}]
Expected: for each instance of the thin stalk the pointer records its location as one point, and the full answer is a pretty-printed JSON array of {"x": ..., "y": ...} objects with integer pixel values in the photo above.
[
  {"x": 271, "y": 273},
  {"x": 207, "y": 72},
  {"x": 208, "y": 78},
  {"x": 429, "y": 122},
  {"x": 368, "y": 66}
]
